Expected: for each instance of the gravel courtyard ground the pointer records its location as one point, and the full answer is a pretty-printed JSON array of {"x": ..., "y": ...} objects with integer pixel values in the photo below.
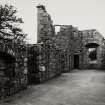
[{"x": 83, "y": 87}]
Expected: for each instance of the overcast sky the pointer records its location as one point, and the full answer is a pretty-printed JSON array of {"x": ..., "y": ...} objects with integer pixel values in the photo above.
[{"x": 84, "y": 14}]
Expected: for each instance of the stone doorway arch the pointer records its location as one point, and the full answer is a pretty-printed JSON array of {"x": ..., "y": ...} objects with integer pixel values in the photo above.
[{"x": 7, "y": 65}]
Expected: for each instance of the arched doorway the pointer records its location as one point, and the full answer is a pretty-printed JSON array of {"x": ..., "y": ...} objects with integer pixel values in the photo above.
[{"x": 7, "y": 67}]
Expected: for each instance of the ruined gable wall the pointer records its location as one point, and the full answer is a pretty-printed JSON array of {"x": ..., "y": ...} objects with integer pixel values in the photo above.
[{"x": 45, "y": 25}]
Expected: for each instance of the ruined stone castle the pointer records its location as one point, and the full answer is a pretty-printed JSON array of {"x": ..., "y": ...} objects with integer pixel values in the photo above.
[
  {"x": 82, "y": 49},
  {"x": 54, "y": 53}
]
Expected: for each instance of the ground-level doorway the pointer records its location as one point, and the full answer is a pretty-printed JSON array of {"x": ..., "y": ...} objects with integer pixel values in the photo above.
[
  {"x": 7, "y": 65},
  {"x": 76, "y": 61}
]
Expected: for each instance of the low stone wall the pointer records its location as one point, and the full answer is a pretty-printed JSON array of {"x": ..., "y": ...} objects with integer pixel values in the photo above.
[{"x": 48, "y": 62}]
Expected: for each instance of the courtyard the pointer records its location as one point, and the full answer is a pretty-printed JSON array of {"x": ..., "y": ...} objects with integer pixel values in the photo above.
[{"x": 81, "y": 87}]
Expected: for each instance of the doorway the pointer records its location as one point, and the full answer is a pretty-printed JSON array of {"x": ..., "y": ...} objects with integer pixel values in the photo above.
[{"x": 76, "y": 61}]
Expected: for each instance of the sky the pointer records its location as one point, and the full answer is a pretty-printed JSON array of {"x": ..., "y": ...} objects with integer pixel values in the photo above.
[{"x": 84, "y": 14}]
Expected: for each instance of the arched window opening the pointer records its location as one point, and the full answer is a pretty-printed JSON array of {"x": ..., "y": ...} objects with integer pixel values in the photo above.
[{"x": 92, "y": 55}]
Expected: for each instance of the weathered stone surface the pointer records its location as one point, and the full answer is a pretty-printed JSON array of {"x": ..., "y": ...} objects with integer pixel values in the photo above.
[{"x": 45, "y": 24}]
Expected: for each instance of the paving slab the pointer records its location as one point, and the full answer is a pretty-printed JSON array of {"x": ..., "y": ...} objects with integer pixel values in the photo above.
[{"x": 82, "y": 87}]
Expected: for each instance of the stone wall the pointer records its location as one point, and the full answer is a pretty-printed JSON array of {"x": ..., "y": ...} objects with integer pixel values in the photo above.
[
  {"x": 69, "y": 39},
  {"x": 102, "y": 55},
  {"x": 48, "y": 62}
]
